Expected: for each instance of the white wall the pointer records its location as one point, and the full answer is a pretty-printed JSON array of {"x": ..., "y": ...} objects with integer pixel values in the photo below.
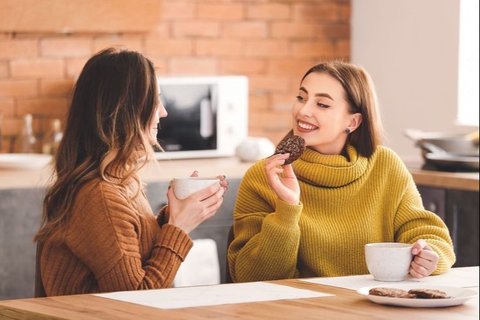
[{"x": 410, "y": 48}]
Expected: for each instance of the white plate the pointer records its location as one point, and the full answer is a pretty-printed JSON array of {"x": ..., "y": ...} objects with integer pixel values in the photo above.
[
  {"x": 24, "y": 160},
  {"x": 457, "y": 296}
]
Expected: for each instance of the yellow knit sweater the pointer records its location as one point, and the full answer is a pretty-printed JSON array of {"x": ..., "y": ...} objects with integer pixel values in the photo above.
[
  {"x": 112, "y": 242},
  {"x": 344, "y": 205}
]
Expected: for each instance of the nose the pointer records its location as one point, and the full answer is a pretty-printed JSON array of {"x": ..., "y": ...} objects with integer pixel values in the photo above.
[
  {"x": 162, "y": 112},
  {"x": 306, "y": 109}
]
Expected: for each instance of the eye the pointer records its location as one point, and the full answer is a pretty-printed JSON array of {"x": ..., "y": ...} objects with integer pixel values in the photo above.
[
  {"x": 324, "y": 106},
  {"x": 300, "y": 98}
]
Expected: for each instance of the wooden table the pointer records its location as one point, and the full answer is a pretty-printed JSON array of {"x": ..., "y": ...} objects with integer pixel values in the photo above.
[{"x": 345, "y": 304}]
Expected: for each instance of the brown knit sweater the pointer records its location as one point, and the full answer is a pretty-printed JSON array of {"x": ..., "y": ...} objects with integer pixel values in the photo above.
[{"x": 112, "y": 242}]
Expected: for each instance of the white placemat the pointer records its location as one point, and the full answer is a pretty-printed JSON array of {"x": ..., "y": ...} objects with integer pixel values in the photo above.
[
  {"x": 212, "y": 295},
  {"x": 457, "y": 277}
]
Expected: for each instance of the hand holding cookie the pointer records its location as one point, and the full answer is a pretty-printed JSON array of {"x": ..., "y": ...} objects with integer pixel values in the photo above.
[{"x": 293, "y": 145}]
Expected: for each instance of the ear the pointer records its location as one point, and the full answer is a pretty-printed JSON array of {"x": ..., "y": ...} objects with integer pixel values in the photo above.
[{"x": 355, "y": 121}]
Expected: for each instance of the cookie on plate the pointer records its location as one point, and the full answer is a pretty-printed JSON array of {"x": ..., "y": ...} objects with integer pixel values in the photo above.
[
  {"x": 294, "y": 145},
  {"x": 421, "y": 293},
  {"x": 390, "y": 292}
]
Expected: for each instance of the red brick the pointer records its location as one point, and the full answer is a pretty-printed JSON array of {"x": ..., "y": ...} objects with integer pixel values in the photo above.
[
  {"x": 130, "y": 43},
  {"x": 178, "y": 10},
  {"x": 324, "y": 12},
  {"x": 161, "y": 29},
  {"x": 270, "y": 11},
  {"x": 219, "y": 47},
  {"x": 79, "y": 16},
  {"x": 160, "y": 64},
  {"x": 168, "y": 47},
  {"x": 75, "y": 66},
  {"x": 342, "y": 49},
  {"x": 56, "y": 87},
  {"x": 297, "y": 30},
  {"x": 18, "y": 88},
  {"x": 11, "y": 126},
  {"x": 246, "y": 30},
  {"x": 38, "y": 67},
  {"x": 18, "y": 48},
  {"x": 267, "y": 48},
  {"x": 4, "y": 70},
  {"x": 283, "y": 101},
  {"x": 6, "y": 108},
  {"x": 271, "y": 121},
  {"x": 319, "y": 49},
  {"x": 344, "y": 12},
  {"x": 193, "y": 66},
  {"x": 269, "y": 83},
  {"x": 196, "y": 28},
  {"x": 42, "y": 106},
  {"x": 258, "y": 102},
  {"x": 66, "y": 47},
  {"x": 246, "y": 66},
  {"x": 295, "y": 68},
  {"x": 220, "y": 11}
]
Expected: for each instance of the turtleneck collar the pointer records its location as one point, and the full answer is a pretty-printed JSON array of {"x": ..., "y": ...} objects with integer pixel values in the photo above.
[{"x": 330, "y": 171}]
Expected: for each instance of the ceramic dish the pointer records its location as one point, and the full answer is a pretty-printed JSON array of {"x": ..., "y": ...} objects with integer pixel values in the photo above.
[
  {"x": 457, "y": 296},
  {"x": 23, "y": 160}
]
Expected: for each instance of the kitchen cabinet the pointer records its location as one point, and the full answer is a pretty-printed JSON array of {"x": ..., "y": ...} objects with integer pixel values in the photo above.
[{"x": 460, "y": 210}]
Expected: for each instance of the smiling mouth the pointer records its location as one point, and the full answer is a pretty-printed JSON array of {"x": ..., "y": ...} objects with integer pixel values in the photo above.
[{"x": 305, "y": 127}]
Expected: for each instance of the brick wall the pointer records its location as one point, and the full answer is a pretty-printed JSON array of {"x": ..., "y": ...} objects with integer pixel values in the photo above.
[{"x": 273, "y": 42}]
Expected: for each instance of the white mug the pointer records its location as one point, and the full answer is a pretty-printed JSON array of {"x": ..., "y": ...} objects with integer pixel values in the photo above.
[
  {"x": 184, "y": 187},
  {"x": 388, "y": 261}
]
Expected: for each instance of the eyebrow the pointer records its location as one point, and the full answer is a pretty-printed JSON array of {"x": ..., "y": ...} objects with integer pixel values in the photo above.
[{"x": 326, "y": 95}]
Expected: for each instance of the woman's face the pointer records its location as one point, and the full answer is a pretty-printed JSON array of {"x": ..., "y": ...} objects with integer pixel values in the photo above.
[
  {"x": 320, "y": 114},
  {"x": 160, "y": 112}
]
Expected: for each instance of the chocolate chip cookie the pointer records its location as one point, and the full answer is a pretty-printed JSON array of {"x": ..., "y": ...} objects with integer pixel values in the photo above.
[
  {"x": 294, "y": 145},
  {"x": 390, "y": 292},
  {"x": 429, "y": 293}
]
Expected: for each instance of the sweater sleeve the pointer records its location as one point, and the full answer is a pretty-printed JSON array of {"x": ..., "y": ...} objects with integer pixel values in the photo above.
[
  {"x": 267, "y": 233},
  {"x": 105, "y": 236},
  {"x": 414, "y": 222}
]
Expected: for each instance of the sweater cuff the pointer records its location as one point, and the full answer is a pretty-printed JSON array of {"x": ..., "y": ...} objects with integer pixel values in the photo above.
[
  {"x": 288, "y": 213},
  {"x": 163, "y": 216},
  {"x": 175, "y": 240}
]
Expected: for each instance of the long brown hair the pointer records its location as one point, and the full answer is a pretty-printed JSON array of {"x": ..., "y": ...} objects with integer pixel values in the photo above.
[
  {"x": 113, "y": 102},
  {"x": 362, "y": 99}
]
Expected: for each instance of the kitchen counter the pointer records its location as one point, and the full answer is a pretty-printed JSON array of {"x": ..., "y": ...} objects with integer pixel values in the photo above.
[
  {"x": 22, "y": 192},
  {"x": 232, "y": 168}
]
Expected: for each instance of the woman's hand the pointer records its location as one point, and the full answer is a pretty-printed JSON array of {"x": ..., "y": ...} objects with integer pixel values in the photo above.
[
  {"x": 282, "y": 179},
  {"x": 188, "y": 213},
  {"x": 424, "y": 260}
]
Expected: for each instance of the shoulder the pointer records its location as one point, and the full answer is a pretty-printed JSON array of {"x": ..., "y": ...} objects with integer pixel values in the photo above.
[
  {"x": 388, "y": 161},
  {"x": 101, "y": 190},
  {"x": 387, "y": 156},
  {"x": 99, "y": 198}
]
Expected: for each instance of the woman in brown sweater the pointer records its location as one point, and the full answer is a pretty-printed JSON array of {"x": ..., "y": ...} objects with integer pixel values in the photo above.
[{"x": 99, "y": 233}]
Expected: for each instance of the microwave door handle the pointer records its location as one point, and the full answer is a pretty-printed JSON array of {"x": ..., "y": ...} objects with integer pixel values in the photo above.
[{"x": 206, "y": 118}]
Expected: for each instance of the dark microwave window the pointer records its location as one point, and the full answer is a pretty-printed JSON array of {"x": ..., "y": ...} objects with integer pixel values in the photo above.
[{"x": 191, "y": 123}]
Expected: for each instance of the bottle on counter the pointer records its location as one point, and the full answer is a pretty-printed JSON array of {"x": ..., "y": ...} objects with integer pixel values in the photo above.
[
  {"x": 26, "y": 142},
  {"x": 52, "y": 137}
]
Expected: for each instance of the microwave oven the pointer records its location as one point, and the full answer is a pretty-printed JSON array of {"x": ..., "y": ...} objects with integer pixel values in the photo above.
[{"x": 207, "y": 116}]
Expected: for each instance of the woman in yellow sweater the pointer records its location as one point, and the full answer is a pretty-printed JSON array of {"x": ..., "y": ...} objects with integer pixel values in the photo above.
[
  {"x": 99, "y": 232},
  {"x": 313, "y": 217}
]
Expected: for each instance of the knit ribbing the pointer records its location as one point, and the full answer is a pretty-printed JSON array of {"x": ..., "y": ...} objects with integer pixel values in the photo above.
[
  {"x": 112, "y": 243},
  {"x": 346, "y": 203}
]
